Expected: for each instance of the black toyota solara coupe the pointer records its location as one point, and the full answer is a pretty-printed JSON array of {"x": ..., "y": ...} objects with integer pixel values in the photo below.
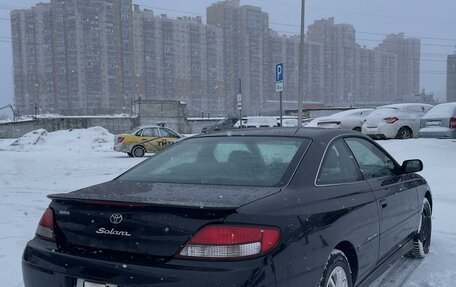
[{"x": 264, "y": 207}]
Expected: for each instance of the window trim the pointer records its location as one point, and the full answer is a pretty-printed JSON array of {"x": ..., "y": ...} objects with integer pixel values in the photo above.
[
  {"x": 343, "y": 136},
  {"x": 142, "y": 132}
]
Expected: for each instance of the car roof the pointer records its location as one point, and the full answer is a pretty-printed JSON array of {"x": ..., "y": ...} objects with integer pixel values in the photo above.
[
  {"x": 150, "y": 126},
  {"x": 404, "y": 105},
  {"x": 348, "y": 112},
  {"x": 451, "y": 104},
  {"x": 258, "y": 117},
  {"x": 313, "y": 133}
]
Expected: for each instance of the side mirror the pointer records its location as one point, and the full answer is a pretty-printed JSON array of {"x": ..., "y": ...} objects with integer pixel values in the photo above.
[{"x": 413, "y": 165}]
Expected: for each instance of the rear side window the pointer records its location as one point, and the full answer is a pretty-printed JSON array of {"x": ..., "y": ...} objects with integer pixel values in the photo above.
[
  {"x": 338, "y": 166},
  {"x": 419, "y": 110},
  {"x": 167, "y": 133},
  {"x": 373, "y": 162},
  {"x": 150, "y": 132}
]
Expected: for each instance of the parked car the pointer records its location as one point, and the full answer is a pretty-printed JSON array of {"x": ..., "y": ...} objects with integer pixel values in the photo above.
[
  {"x": 224, "y": 124},
  {"x": 269, "y": 207},
  {"x": 291, "y": 121},
  {"x": 346, "y": 120},
  {"x": 145, "y": 139},
  {"x": 401, "y": 121},
  {"x": 257, "y": 122},
  {"x": 440, "y": 122},
  {"x": 306, "y": 121}
]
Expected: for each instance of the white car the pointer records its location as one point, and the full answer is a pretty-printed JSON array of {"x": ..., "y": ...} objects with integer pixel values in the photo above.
[
  {"x": 288, "y": 121},
  {"x": 440, "y": 122},
  {"x": 401, "y": 121},
  {"x": 257, "y": 122},
  {"x": 347, "y": 120}
]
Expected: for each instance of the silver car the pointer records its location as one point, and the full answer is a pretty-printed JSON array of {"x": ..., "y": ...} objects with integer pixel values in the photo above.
[{"x": 440, "y": 122}]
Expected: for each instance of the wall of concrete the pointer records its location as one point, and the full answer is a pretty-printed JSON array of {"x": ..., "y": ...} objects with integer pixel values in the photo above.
[
  {"x": 172, "y": 113},
  {"x": 196, "y": 125},
  {"x": 112, "y": 124}
]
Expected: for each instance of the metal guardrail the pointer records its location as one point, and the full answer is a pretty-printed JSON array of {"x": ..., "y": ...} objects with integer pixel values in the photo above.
[{"x": 12, "y": 109}]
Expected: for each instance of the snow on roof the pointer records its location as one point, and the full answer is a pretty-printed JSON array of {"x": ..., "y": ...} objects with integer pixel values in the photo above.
[{"x": 442, "y": 110}]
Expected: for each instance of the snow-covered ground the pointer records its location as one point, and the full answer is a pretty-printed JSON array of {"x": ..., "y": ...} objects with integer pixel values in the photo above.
[{"x": 41, "y": 163}]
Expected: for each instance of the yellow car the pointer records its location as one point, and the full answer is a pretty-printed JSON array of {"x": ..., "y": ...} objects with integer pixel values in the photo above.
[{"x": 145, "y": 139}]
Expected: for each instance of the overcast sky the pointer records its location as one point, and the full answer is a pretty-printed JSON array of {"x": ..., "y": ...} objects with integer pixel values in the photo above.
[{"x": 434, "y": 22}]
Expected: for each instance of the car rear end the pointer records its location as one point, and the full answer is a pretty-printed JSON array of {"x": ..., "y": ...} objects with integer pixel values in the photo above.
[
  {"x": 440, "y": 122},
  {"x": 382, "y": 123},
  {"x": 97, "y": 243},
  {"x": 177, "y": 219},
  {"x": 120, "y": 145},
  {"x": 329, "y": 124}
]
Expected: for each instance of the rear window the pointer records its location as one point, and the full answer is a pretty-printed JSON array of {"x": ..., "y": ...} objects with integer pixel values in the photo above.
[
  {"x": 236, "y": 160},
  {"x": 442, "y": 111},
  {"x": 384, "y": 111}
]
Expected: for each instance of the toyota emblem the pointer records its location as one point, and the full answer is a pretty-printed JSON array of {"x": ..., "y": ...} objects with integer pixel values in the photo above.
[{"x": 116, "y": 218}]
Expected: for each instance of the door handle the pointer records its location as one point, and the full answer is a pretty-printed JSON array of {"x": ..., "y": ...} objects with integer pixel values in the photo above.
[{"x": 383, "y": 203}]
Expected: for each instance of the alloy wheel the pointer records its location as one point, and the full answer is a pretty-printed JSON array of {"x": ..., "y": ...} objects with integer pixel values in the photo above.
[{"x": 338, "y": 278}]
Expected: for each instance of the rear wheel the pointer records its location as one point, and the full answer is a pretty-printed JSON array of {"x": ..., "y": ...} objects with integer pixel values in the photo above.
[
  {"x": 337, "y": 271},
  {"x": 404, "y": 133},
  {"x": 138, "y": 151},
  {"x": 422, "y": 240}
]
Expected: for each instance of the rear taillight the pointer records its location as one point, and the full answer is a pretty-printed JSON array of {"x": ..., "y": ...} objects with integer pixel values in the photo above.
[
  {"x": 231, "y": 242},
  {"x": 120, "y": 139},
  {"x": 453, "y": 123},
  {"x": 45, "y": 229},
  {"x": 391, "y": 120}
]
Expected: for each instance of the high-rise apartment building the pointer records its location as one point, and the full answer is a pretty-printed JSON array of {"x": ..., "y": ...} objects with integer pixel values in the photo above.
[
  {"x": 339, "y": 50},
  {"x": 95, "y": 57},
  {"x": 73, "y": 57},
  {"x": 451, "y": 78},
  {"x": 245, "y": 52},
  {"x": 408, "y": 52},
  {"x": 179, "y": 59},
  {"x": 285, "y": 50},
  {"x": 375, "y": 78},
  {"x": 33, "y": 58}
]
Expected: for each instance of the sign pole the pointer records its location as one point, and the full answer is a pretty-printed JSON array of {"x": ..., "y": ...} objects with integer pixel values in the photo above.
[
  {"x": 239, "y": 102},
  {"x": 279, "y": 87},
  {"x": 281, "y": 110}
]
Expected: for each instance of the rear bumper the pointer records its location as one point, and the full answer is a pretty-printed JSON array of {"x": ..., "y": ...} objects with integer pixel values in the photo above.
[
  {"x": 438, "y": 133},
  {"x": 43, "y": 266},
  {"x": 380, "y": 132},
  {"x": 122, "y": 147}
]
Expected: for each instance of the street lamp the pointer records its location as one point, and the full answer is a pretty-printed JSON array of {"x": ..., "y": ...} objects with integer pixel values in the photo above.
[{"x": 301, "y": 65}]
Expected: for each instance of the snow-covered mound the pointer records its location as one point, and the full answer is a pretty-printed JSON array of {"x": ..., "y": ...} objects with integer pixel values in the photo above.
[
  {"x": 32, "y": 138},
  {"x": 78, "y": 140}
]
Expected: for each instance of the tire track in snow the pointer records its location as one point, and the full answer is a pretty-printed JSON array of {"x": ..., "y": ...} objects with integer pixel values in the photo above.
[{"x": 398, "y": 273}]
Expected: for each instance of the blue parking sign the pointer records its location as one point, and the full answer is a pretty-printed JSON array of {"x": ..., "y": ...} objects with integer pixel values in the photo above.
[{"x": 279, "y": 72}]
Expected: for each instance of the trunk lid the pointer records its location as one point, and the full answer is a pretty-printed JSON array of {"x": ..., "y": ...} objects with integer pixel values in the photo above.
[
  {"x": 377, "y": 116},
  {"x": 150, "y": 219}
]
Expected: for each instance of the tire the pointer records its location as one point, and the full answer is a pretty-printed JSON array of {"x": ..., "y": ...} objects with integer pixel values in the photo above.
[
  {"x": 130, "y": 154},
  {"x": 337, "y": 271},
  {"x": 404, "y": 133},
  {"x": 422, "y": 240},
  {"x": 138, "y": 151}
]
